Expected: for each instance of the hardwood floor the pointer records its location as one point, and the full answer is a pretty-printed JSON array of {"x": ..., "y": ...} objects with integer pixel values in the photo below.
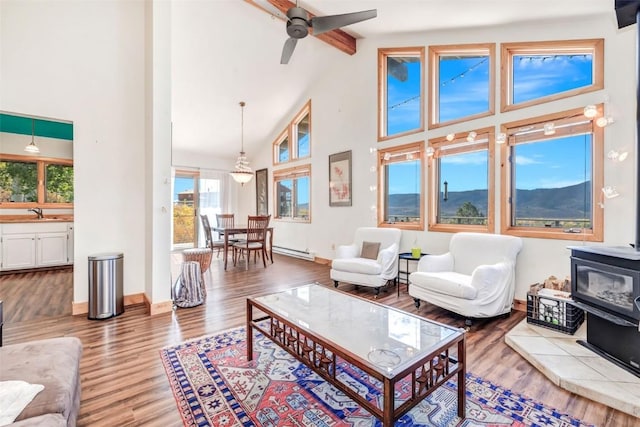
[{"x": 124, "y": 383}]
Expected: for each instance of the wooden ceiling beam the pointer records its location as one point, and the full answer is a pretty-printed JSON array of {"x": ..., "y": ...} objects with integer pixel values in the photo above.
[{"x": 336, "y": 38}]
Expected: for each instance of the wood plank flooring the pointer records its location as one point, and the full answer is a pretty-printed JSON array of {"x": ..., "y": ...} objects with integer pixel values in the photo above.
[{"x": 124, "y": 383}]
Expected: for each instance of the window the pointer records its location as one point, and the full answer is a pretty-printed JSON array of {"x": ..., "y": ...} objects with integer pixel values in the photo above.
[
  {"x": 19, "y": 181},
  {"x": 58, "y": 181},
  {"x": 400, "y": 178},
  {"x": 293, "y": 189},
  {"x": 533, "y": 73},
  {"x": 27, "y": 182},
  {"x": 462, "y": 83},
  {"x": 552, "y": 177},
  {"x": 185, "y": 208},
  {"x": 400, "y": 91},
  {"x": 281, "y": 148},
  {"x": 295, "y": 141},
  {"x": 302, "y": 132},
  {"x": 461, "y": 182}
]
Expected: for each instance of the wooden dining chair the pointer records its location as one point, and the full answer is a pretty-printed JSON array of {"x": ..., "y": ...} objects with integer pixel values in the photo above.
[
  {"x": 256, "y": 240},
  {"x": 226, "y": 221},
  {"x": 210, "y": 243}
]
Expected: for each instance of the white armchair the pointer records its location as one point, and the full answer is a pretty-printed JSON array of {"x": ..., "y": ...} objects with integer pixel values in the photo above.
[
  {"x": 476, "y": 278},
  {"x": 373, "y": 269}
]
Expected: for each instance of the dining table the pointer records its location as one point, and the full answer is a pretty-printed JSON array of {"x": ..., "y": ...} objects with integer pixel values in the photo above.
[{"x": 241, "y": 229}]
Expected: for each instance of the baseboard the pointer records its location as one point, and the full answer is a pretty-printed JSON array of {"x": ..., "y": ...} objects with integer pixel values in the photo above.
[
  {"x": 322, "y": 261},
  {"x": 159, "y": 307},
  {"x": 519, "y": 305},
  {"x": 78, "y": 308}
]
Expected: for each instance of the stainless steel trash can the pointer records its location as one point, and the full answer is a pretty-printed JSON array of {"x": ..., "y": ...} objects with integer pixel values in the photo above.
[{"x": 106, "y": 295}]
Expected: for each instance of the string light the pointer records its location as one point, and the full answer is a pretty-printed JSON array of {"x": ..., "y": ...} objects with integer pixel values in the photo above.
[
  {"x": 406, "y": 101},
  {"x": 462, "y": 74},
  {"x": 472, "y": 136},
  {"x": 544, "y": 58}
]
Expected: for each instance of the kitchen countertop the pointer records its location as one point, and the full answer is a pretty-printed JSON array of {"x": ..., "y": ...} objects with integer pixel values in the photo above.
[{"x": 8, "y": 219}]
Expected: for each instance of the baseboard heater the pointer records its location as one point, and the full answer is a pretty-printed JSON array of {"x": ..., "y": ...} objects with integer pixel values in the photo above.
[{"x": 294, "y": 253}]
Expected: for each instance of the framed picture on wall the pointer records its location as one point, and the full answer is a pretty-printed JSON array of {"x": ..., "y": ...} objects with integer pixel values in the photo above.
[
  {"x": 340, "y": 179},
  {"x": 262, "y": 195}
]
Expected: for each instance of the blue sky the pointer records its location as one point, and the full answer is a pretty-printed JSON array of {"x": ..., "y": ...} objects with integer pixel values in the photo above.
[{"x": 463, "y": 91}]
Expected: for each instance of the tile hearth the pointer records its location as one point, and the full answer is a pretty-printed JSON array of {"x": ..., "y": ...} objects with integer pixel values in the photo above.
[{"x": 575, "y": 368}]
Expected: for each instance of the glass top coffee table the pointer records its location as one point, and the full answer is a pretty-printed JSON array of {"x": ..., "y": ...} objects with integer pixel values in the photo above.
[{"x": 325, "y": 329}]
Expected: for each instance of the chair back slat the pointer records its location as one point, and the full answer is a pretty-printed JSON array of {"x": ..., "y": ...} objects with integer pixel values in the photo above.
[
  {"x": 257, "y": 228},
  {"x": 225, "y": 220}
]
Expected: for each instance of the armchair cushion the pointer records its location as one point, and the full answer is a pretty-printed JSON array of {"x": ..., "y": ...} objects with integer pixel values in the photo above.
[
  {"x": 446, "y": 283},
  {"x": 370, "y": 250},
  {"x": 357, "y": 265}
]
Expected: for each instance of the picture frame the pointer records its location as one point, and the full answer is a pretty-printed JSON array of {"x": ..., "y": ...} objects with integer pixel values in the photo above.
[
  {"x": 262, "y": 195},
  {"x": 340, "y": 188}
]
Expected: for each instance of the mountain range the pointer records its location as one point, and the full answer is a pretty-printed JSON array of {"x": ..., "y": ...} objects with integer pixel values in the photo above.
[{"x": 563, "y": 202}]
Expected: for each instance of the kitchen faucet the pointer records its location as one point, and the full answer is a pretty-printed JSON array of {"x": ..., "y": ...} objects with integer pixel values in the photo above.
[{"x": 37, "y": 211}]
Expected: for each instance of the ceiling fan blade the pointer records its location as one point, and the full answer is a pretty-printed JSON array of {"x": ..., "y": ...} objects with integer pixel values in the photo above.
[
  {"x": 322, "y": 24},
  {"x": 287, "y": 50}
]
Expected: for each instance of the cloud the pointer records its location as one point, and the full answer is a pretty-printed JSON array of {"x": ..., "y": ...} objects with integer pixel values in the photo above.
[
  {"x": 477, "y": 158},
  {"x": 523, "y": 161}
]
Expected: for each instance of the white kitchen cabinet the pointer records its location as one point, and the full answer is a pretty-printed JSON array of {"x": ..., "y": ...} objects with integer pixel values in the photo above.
[
  {"x": 18, "y": 251},
  {"x": 51, "y": 249},
  {"x": 31, "y": 245}
]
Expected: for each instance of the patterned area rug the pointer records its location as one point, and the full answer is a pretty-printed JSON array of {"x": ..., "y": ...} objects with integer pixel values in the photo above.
[{"x": 214, "y": 385}]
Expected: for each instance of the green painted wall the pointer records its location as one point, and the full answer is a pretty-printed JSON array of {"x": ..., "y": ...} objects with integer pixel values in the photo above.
[{"x": 45, "y": 128}]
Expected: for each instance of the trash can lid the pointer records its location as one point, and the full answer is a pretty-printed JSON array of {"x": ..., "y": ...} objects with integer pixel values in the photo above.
[{"x": 105, "y": 256}]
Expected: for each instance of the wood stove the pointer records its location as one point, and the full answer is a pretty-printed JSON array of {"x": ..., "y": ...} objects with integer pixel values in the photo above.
[{"x": 605, "y": 282}]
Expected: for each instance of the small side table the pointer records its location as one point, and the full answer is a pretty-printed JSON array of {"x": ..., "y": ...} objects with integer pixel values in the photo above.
[{"x": 406, "y": 256}]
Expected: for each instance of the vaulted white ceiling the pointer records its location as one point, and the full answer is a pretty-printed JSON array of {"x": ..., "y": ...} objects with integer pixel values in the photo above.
[{"x": 227, "y": 51}]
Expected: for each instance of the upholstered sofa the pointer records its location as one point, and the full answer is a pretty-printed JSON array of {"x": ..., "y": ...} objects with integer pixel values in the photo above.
[
  {"x": 476, "y": 278},
  {"x": 54, "y": 363},
  {"x": 371, "y": 260}
]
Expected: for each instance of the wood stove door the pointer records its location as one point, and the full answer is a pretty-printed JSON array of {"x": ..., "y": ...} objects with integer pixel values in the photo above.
[{"x": 609, "y": 287}]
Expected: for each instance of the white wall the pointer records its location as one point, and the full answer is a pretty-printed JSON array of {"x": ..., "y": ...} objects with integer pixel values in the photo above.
[
  {"x": 344, "y": 116},
  {"x": 83, "y": 61}
]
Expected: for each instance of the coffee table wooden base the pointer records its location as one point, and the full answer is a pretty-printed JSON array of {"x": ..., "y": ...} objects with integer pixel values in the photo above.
[{"x": 426, "y": 374}]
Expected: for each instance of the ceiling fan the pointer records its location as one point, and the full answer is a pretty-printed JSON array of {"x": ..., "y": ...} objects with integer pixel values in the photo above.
[{"x": 299, "y": 23}]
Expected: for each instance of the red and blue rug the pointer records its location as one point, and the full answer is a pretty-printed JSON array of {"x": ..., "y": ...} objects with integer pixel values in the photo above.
[{"x": 214, "y": 385}]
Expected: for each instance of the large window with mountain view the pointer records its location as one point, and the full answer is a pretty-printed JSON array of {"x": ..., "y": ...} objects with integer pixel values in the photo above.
[
  {"x": 537, "y": 72},
  {"x": 461, "y": 82},
  {"x": 400, "y": 91},
  {"x": 553, "y": 178},
  {"x": 461, "y": 176},
  {"x": 292, "y": 188},
  {"x": 401, "y": 174}
]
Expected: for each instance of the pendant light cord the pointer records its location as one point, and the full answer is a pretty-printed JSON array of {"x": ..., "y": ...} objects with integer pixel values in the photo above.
[{"x": 242, "y": 127}]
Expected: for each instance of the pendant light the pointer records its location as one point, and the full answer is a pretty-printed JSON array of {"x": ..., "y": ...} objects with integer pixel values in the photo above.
[
  {"x": 32, "y": 147},
  {"x": 242, "y": 173}
]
